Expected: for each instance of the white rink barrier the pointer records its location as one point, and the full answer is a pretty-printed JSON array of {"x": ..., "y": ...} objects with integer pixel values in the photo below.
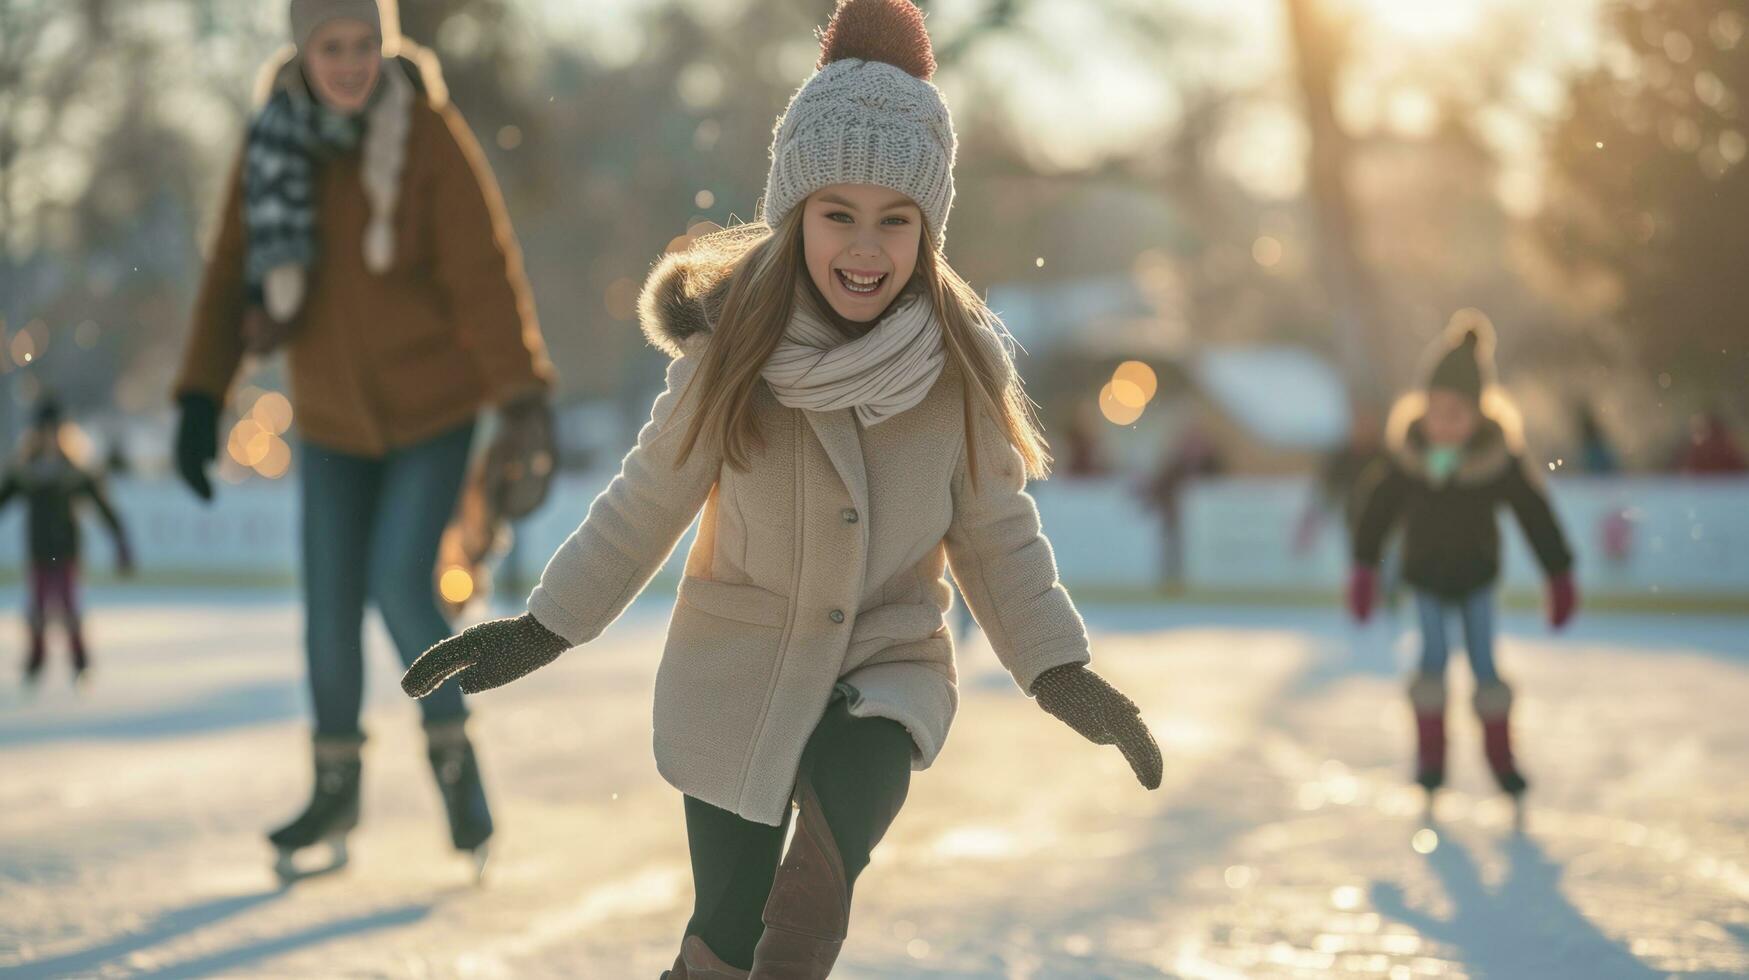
[
  {"x": 1631, "y": 537},
  {"x": 1638, "y": 536}
]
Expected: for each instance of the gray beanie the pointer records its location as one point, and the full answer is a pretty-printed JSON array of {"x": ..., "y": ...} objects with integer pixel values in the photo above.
[
  {"x": 307, "y": 15},
  {"x": 868, "y": 116}
]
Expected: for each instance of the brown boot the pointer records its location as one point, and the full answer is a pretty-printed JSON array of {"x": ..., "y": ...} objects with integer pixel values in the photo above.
[
  {"x": 697, "y": 962},
  {"x": 808, "y": 913}
]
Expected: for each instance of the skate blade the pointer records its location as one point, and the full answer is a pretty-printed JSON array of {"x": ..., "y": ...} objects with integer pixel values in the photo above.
[
  {"x": 480, "y": 856},
  {"x": 289, "y": 870}
]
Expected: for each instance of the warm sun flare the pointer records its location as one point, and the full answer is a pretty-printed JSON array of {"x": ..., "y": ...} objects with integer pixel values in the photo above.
[{"x": 1430, "y": 20}]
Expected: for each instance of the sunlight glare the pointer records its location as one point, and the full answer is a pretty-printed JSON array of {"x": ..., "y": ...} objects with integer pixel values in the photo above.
[{"x": 1422, "y": 21}]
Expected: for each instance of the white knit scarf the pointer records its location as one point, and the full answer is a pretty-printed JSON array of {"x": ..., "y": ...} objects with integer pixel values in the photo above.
[{"x": 880, "y": 374}]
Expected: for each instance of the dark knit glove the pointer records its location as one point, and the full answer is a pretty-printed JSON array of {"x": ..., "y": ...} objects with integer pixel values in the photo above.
[
  {"x": 520, "y": 461},
  {"x": 1103, "y": 716},
  {"x": 489, "y": 655},
  {"x": 197, "y": 441}
]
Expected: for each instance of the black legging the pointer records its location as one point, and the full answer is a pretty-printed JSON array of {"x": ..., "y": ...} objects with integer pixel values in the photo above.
[{"x": 860, "y": 768}]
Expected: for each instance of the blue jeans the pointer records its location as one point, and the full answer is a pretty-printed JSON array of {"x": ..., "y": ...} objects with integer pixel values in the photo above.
[
  {"x": 1476, "y": 610},
  {"x": 370, "y": 531}
]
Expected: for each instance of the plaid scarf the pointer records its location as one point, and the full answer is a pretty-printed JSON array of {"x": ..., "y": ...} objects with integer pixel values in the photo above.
[
  {"x": 289, "y": 140},
  {"x": 286, "y": 141}
]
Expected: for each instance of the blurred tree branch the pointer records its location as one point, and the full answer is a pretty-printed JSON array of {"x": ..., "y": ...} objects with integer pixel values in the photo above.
[
  {"x": 1650, "y": 188},
  {"x": 1320, "y": 42}
]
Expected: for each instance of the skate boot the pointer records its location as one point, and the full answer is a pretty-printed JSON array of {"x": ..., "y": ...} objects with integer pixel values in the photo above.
[
  {"x": 33, "y": 665},
  {"x": 698, "y": 962},
  {"x": 808, "y": 913},
  {"x": 458, "y": 782},
  {"x": 1494, "y": 708},
  {"x": 1427, "y": 696},
  {"x": 332, "y": 811}
]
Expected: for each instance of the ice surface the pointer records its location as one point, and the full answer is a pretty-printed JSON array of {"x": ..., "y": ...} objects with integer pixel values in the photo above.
[{"x": 1285, "y": 841}]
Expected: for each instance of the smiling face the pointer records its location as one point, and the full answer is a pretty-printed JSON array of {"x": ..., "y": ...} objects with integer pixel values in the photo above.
[
  {"x": 1451, "y": 418},
  {"x": 861, "y": 244},
  {"x": 342, "y": 60}
]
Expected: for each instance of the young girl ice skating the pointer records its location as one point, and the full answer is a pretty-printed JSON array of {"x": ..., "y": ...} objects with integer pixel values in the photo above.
[
  {"x": 840, "y": 407},
  {"x": 1456, "y": 456},
  {"x": 53, "y": 485}
]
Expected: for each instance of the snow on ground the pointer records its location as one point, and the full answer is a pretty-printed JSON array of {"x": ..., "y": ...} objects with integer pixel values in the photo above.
[{"x": 1284, "y": 842}]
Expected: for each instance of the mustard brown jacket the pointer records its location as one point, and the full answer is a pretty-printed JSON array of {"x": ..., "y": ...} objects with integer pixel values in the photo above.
[{"x": 378, "y": 362}]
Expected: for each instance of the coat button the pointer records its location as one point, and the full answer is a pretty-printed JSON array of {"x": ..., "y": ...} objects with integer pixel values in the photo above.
[
  {"x": 838, "y": 615},
  {"x": 850, "y": 515}
]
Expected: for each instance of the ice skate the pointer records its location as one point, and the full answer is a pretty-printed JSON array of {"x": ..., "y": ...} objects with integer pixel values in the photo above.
[
  {"x": 1494, "y": 708},
  {"x": 331, "y": 814},
  {"x": 1427, "y": 697},
  {"x": 464, "y": 796},
  {"x": 293, "y": 865},
  {"x": 31, "y": 680}
]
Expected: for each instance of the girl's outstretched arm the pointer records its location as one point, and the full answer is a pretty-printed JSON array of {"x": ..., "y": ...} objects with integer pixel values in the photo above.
[
  {"x": 630, "y": 531},
  {"x": 1378, "y": 513},
  {"x": 1531, "y": 505},
  {"x": 1004, "y": 565},
  {"x": 1008, "y": 575},
  {"x": 93, "y": 488}
]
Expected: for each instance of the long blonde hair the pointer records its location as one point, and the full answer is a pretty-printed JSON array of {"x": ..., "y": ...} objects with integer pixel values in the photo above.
[{"x": 764, "y": 266}]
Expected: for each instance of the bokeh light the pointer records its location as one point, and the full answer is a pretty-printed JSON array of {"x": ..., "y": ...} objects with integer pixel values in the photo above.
[
  {"x": 248, "y": 442},
  {"x": 1141, "y": 376},
  {"x": 23, "y": 348},
  {"x": 276, "y": 460},
  {"x": 1266, "y": 251},
  {"x": 456, "y": 585},
  {"x": 273, "y": 412},
  {"x": 1116, "y": 412},
  {"x": 1128, "y": 393}
]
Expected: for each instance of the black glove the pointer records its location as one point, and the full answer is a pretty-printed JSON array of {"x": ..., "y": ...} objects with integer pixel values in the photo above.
[
  {"x": 489, "y": 655},
  {"x": 520, "y": 461},
  {"x": 197, "y": 441},
  {"x": 1103, "y": 716}
]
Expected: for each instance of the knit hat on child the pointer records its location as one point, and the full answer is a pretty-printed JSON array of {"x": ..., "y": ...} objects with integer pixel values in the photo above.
[
  {"x": 869, "y": 115},
  {"x": 1464, "y": 366}
]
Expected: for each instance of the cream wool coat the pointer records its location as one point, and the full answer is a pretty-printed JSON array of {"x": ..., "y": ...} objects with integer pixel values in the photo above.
[{"x": 819, "y": 568}]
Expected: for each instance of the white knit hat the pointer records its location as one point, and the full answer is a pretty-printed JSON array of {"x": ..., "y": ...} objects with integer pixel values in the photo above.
[{"x": 868, "y": 116}]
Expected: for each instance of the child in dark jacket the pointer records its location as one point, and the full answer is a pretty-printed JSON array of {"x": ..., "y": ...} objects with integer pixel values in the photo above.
[
  {"x": 1455, "y": 457},
  {"x": 52, "y": 484}
]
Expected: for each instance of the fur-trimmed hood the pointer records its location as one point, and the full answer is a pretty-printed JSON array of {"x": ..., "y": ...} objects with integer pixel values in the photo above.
[
  {"x": 681, "y": 298},
  {"x": 1497, "y": 442}
]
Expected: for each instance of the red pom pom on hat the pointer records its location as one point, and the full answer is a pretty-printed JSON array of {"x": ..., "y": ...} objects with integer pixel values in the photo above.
[{"x": 889, "y": 31}]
